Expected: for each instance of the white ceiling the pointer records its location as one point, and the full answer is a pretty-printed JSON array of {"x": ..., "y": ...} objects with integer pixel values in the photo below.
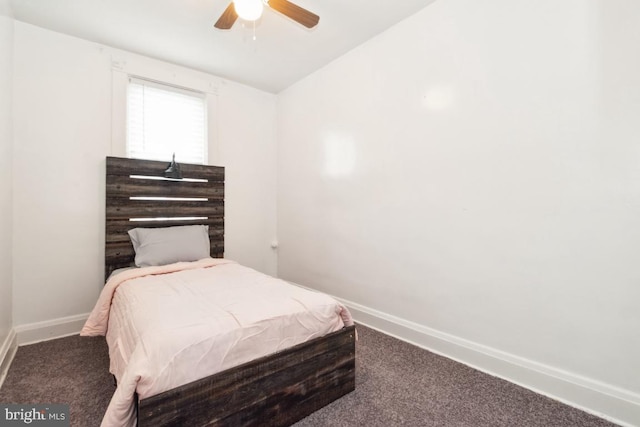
[{"x": 182, "y": 32}]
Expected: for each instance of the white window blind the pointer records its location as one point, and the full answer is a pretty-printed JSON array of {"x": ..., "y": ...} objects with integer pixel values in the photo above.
[{"x": 162, "y": 120}]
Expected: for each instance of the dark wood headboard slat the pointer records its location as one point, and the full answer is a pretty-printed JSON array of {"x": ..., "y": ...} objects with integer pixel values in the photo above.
[
  {"x": 118, "y": 229},
  {"x": 164, "y": 209},
  {"x": 124, "y": 186},
  {"x": 121, "y": 209},
  {"x": 124, "y": 202},
  {"x": 126, "y": 167}
]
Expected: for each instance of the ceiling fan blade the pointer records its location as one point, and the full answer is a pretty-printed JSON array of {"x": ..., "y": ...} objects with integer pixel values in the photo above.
[
  {"x": 228, "y": 18},
  {"x": 295, "y": 12}
]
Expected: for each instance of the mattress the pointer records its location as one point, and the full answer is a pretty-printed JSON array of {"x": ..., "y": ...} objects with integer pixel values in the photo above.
[{"x": 171, "y": 325}]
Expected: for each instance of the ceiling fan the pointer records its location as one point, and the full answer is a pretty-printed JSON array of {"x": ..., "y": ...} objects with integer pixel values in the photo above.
[{"x": 251, "y": 10}]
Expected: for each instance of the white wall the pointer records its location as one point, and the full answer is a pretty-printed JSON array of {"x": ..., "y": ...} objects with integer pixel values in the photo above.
[
  {"x": 246, "y": 131},
  {"x": 6, "y": 67},
  {"x": 63, "y": 131},
  {"x": 475, "y": 171}
]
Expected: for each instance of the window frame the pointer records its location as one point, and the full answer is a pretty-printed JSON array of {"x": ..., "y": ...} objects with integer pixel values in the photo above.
[
  {"x": 124, "y": 66},
  {"x": 132, "y": 79}
]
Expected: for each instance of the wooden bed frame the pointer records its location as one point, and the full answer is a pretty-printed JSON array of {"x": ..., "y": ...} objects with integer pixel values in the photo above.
[{"x": 275, "y": 390}]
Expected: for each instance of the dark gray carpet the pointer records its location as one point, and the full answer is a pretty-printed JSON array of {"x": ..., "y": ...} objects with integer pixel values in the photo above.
[
  {"x": 397, "y": 384},
  {"x": 72, "y": 370}
]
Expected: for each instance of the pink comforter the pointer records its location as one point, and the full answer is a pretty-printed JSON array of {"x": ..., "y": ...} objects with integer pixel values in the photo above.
[{"x": 165, "y": 330}]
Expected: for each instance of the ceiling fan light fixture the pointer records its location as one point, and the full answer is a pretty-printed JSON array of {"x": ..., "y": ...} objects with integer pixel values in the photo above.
[{"x": 249, "y": 10}]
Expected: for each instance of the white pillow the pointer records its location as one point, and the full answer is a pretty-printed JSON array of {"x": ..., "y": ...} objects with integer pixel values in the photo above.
[{"x": 161, "y": 246}]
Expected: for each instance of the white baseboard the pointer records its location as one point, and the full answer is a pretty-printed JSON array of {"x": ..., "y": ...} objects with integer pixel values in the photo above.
[
  {"x": 604, "y": 400},
  {"x": 7, "y": 352},
  {"x": 50, "y": 329}
]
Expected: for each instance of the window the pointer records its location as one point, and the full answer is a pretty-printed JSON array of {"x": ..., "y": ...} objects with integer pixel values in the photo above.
[{"x": 162, "y": 120}]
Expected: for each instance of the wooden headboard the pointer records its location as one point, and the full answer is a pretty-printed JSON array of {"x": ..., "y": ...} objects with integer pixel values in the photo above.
[{"x": 137, "y": 195}]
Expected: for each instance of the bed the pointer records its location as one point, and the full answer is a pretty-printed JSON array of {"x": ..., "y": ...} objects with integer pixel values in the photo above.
[{"x": 275, "y": 389}]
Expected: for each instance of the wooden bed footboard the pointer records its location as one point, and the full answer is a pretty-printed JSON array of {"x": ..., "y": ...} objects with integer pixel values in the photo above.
[{"x": 275, "y": 390}]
